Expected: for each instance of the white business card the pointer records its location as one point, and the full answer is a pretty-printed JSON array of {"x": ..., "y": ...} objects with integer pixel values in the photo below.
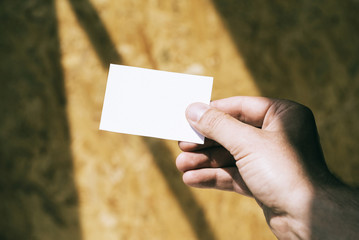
[{"x": 152, "y": 103}]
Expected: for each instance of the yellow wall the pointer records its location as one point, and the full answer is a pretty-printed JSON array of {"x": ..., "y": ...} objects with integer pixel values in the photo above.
[{"x": 62, "y": 178}]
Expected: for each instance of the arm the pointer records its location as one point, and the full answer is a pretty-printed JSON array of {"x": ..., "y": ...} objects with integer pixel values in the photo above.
[{"x": 335, "y": 213}]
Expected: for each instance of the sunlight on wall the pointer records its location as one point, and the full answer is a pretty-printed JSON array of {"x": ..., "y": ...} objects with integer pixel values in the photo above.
[{"x": 124, "y": 190}]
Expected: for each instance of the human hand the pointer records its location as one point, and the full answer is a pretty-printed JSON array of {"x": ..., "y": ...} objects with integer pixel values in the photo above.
[{"x": 265, "y": 148}]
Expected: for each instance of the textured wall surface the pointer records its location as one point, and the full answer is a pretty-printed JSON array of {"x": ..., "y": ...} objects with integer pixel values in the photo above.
[{"x": 62, "y": 178}]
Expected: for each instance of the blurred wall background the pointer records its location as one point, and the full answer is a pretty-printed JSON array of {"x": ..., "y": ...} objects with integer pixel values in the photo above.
[{"x": 62, "y": 178}]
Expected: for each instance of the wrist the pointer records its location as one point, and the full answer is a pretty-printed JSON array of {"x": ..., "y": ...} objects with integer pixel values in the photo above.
[
  {"x": 335, "y": 212},
  {"x": 327, "y": 212},
  {"x": 294, "y": 222}
]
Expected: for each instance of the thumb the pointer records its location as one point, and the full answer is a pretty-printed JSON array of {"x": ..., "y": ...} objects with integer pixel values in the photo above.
[{"x": 231, "y": 133}]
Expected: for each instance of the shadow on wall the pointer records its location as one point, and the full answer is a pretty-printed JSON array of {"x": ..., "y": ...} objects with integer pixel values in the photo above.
[
  {"x": 37, "y": 190},
  {"x": 99, "y": 37},
  {"x": 306, "y": 51}
]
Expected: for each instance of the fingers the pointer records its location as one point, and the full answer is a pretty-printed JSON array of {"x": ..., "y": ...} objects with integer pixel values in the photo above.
[
  {"x": 227, "y": 179},
  {"x": 250, "y": 110},
  {"x": 232, "y": 134},
  {"x": 209, "y": 158},
  {"x": 188, "y": 147},
  {"x": 211, "y": 168}
]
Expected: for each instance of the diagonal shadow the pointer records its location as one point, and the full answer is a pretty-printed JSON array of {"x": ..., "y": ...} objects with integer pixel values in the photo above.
[
  {"x": 37, "y": 190},
  {"x": 295, "y": 48},
  {"x": 299, "y": 50},
  {"x": 96, "y": 31},
  {"x": 106, "y": 51},
  {"x": 194, "y": 213}
]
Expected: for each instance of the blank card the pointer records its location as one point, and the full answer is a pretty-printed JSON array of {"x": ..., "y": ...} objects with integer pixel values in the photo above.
[{"x": 152, "y": 103}]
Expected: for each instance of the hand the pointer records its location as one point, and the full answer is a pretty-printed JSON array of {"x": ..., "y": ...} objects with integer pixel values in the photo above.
[{"x": 265, "y": 148}]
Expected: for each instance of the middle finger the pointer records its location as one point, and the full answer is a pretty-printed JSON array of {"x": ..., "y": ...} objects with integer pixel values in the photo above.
[{"x": 208, "y": 158}]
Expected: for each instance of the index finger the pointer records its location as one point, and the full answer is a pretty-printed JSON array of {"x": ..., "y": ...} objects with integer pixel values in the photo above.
[
  {"x": 189, "y": 147},
  {"x": 250, "y": 110}
]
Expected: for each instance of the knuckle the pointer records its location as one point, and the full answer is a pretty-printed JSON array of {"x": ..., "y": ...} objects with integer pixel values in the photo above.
[
  {"x": 301, "y": 112},
  {"x": 182, "y": 162},
  {"x": 304, "y": 113},
  {"x": 307, "y": 113},
  {"x": 191, "y": 178}
]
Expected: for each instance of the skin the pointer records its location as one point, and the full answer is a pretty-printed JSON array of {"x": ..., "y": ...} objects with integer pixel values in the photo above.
[{"x": 269, "y": 149}]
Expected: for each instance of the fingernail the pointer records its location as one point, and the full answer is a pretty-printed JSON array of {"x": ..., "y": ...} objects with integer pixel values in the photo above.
[{"x": 195, "y": 111}]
